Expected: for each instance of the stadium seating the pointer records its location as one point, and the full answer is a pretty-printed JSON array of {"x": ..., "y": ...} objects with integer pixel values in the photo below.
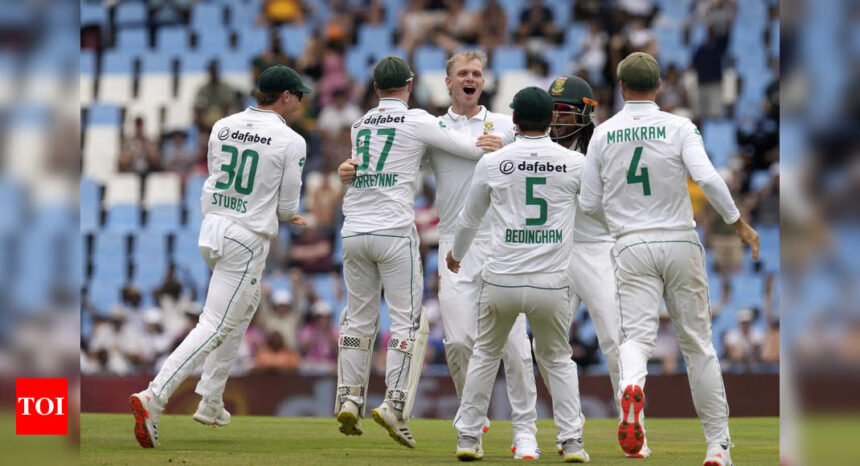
[
  {"x": 93, "y": 14},
  {"x": 720, "y": 140},
  {"x": 162, "y": 196},
  {"x": 508, "y": 59},
  {"x": 122, "y": 202},
  {"x": 87, "y": 77},
  {"x": 172, "y": 39},
  {"x": 132, "y": 41},
  {"x": 293, "y": 39},
  {"x": 429, "y": 59},
  {"x": 101, "y": 142},
  {"x": 115, "y": 80},
  {"x": 129, "y": 14}
]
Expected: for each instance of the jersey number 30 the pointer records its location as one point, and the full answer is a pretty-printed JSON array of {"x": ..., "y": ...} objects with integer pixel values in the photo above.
[
  {"x": 236, "y": 175},
  {"x": 362, "y": 147},
  {"x": 633, "y": 178}
]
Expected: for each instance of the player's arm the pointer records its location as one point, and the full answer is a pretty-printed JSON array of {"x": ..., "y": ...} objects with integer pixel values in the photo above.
[
  {"x": 702, "y": 171},
  {"x": 291, "y": 182},
  {"x": 469, "y": 221},
  {"x": 433, "y": 132},
  {"x": 591, "y": 185}
]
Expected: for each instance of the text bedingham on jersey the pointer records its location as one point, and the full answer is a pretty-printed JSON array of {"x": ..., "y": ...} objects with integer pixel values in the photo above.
[
  {"x": 637, "y": 166},
  {"x": 531, "y": 208},
  {"x": 454, "y": 174},
  {"x": 388, "y": 142},
  {"x": 255, "y": 162}
]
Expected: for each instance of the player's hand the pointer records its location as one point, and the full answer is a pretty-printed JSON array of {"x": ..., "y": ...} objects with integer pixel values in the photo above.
[
  {"x": 297, "y": 220},
  {"x": 489, "y": 142},
  {"x": 346, "y": 171},
  {"x": 748, "y": 236},
  {"x": 453, "y": 265}
]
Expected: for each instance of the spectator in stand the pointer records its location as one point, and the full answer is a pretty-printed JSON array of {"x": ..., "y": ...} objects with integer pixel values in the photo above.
[
  {"x": 493, "y": 27},
  {"x": 274, "y": 356},
  {"x": 214, "y": 100},
  {"x": 157, "y": 341},
  {"x": 593, "y": 57},
  {"x": 106, "y": 345},
  {"x": 340, "y": 113},
  {"x": 273, "y": 55},
  {"x": 666, "y": 349},
  {"x": 708, "y": 62},
  {"x": 178, "y": 157},
  {"x": 770, "y": 347},
  {"x": 721, "y": 239},
  {"x": 138, "y": 153},
  {"x": 583, "y": 352},
  {"x": 319, "y": 339},
  {"x": 323, "y": 197},
  {"x": 673, "y": 95},
  {"x": 283, "y": 11},
  {"x": 284, "y": 319},
  {"x": 742, "y": 345},
  {"x": 333, "y": 150},
  {"x": 536, "y": 27},
  {"x": 718, "y": 14},
  {"x": 311, "y": 250},
  {"x": 458, "y": 27}
]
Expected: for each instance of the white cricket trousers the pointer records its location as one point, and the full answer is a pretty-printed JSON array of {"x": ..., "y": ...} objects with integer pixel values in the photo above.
[
  {"x": 594, "y": 284},
  {"x": 237, "y": 257},
  {"x": 545, "y": 299},
  {"x": 389, "y": 260},
  {"x": 458, "y": 302},
  {"x": 656, "y": 264}
]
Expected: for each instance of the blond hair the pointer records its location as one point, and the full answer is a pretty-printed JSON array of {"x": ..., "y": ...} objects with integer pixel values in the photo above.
[{"x": 466, "y": 56}]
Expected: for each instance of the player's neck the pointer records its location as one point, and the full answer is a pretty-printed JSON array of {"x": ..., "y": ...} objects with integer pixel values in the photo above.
[
  {"x": 532, "y": 134},
  {"x": 465, "y": 110}
]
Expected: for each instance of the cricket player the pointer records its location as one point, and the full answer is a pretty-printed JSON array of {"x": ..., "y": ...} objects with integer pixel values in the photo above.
[
  {"x": 590, "y": 265},
  {"x": 637, "y": 167},
  {"x": 530, "y": 189},
  {"x": 380, "y": 249},
  {"x": 255, "y": 163},
  {"x": 459, "y": 292}
]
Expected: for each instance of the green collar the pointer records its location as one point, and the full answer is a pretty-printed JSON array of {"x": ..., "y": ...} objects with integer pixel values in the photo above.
[{"x": 267, "y": 111}]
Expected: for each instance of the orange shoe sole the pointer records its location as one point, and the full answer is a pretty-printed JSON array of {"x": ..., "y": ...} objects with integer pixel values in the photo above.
[
  {"x": 140, "y": 417},
  {"x": 631, "y": 436}
]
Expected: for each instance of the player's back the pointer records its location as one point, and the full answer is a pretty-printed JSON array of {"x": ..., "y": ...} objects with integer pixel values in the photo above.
[
  {"x": 389, "y": 152},
  {"x": 246, "y": 159},
  {"x": 533, "y": 184},
  {"x": 643, "y": 174}
]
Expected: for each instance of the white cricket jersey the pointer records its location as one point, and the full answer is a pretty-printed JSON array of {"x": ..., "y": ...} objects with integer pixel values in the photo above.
[
  {"x": 530, "y": 189},
  {"x": 590, "y": 229},
  {"x": 389, "y": 142},
  {"x": 255, "y": 170},
  {"x": 637, "y": 164},
  {"x": 454, "y": 174}
]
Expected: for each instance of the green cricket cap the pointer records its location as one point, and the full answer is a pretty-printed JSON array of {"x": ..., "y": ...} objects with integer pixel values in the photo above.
[
  {"x": 280, "y": 78},
  {"x": 532, "y": 103},
  {"x": 391, "y": 73},
  {"x": 639, "y": 71}
]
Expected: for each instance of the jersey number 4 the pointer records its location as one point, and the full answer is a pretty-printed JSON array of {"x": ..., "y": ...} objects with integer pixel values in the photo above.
[
  {"x": 362, "y": 147},
  {"x": 633, "y": 178},
  {"x": 236, "y": 175}
]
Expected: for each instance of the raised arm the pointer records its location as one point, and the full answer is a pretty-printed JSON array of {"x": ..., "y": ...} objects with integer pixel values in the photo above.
[
  {"x": 435, "y": 133},
  {"x": 469, "y": 221},
  {"x": 591, "y": 186}
]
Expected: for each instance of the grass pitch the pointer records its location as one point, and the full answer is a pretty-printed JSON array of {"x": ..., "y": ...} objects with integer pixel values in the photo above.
[{"x": 108, "y": 439}]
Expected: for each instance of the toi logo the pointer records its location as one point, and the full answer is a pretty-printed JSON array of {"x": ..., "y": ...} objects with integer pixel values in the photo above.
[{"x": 41, "y": 406}]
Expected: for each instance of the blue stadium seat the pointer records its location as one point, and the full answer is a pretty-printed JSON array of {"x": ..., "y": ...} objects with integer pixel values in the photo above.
[
  {"x": 207, "y": 16},
  {"x": 157, "y": 62},
  {"x": 191, "y": 198},
  {"x": 93, "y": 14},
  {"x": 513, "y": 10},
  {"x": 149, "y": 274},
  {"x": 173, "y": 39},
  {"x": 253, "y": 40},
  {"x": 374, "y": 36},
  {"x": 123, "y": 218},
  {"x": 150, "y": 246},
  {"x": 132, "y": 41},
  {"x": 236, "y": 62},
  {"x": 324, "y": 287},
  {"x": 55, "y": 218},
  {"x": 293, "y": 39},
  {"x": 185, "y": 249},
  {"x": 164, "y": 218},
  {"x": 104, "y": 294},
  {"x": 559, "y": 60},
  {"x": 212, "y": 40},
  {"x": 12, "y": 194},
  {"x": 102, "y": 114},
  {"x": 358, "y": 64},
  {"x": 242, "y": 16},
  {"x": 320, "y": 11},
  {"x": 476, "y": 5},
  {"x": 429, "y": 58},
  {"x": 720, "y": 140},
  {"x": 561, "y": 13},
  {"x": 116, "y": 62},
  {"x": 574, "y": 34},
  {"x": 508, "y": 59},
  {"x": 130, "y": 14},
  {"x": 88, "y": 63}
]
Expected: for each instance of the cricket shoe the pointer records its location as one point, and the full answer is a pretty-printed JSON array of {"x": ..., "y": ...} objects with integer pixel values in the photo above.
[
  {"x": 631, "y": 434},
  {"x": 645, "y": 452},
  {"x": 212, "y": 414},
  {"x": 146, "y": 415},
  {"x": 398, "y": 429},
  {"x": 469, "y": 448},
  {"x": 350, "y": 424},
  {"x": 574, "y": 451},
  {"x": 718, "y": 455},
  {"x": 525, "y": 447}
]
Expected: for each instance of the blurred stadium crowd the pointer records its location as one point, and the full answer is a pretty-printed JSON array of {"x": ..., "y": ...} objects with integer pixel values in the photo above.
[{"x": 156, "y": 75}]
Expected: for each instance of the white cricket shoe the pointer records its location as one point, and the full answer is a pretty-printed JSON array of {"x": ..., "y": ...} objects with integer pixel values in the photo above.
[
  {"x": 574, "y": 451},
  {"x": 212, "y": 414},
  {"x": 525, "y": 448},
  {"x": 146, "y": 414},
  {"x": 469, "y": 448},
  {"x": 718, "y": 455},
  {"x": 386, "y": 416},
  {"x": 350, "y": 424}
]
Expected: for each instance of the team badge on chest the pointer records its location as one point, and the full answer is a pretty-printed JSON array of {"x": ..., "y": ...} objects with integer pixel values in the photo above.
[{"x": 488, "y": 126}]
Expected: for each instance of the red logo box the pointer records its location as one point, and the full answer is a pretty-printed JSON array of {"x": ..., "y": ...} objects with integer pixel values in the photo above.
[{"x": 41, "y": 406}]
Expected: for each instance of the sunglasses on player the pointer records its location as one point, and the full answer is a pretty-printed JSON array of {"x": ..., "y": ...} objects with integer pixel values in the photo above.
[{"x": 298, "y": 94}]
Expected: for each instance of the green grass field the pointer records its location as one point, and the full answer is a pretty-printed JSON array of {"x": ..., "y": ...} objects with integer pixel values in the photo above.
[{"x": 108, "y": 439}]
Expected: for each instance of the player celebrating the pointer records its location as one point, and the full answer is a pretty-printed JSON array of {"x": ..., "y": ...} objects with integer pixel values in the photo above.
[
  {"x": 590, "y": 268},
  {"x": 255, "y": 163},
  {"x": 458, "y": 293},
  {"x": 380, "y": 249},
  {"x": 530, "y": 188},
  {"x": 638, "y": 162}
]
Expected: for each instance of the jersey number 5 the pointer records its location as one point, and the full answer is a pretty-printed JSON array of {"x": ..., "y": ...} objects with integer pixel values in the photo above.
[
  {"x": 230, "y": 169},
  {"x": 362, "y": 147},
  {"x": 532, "y": 200},
  {"x": 633, "y": 178}
]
